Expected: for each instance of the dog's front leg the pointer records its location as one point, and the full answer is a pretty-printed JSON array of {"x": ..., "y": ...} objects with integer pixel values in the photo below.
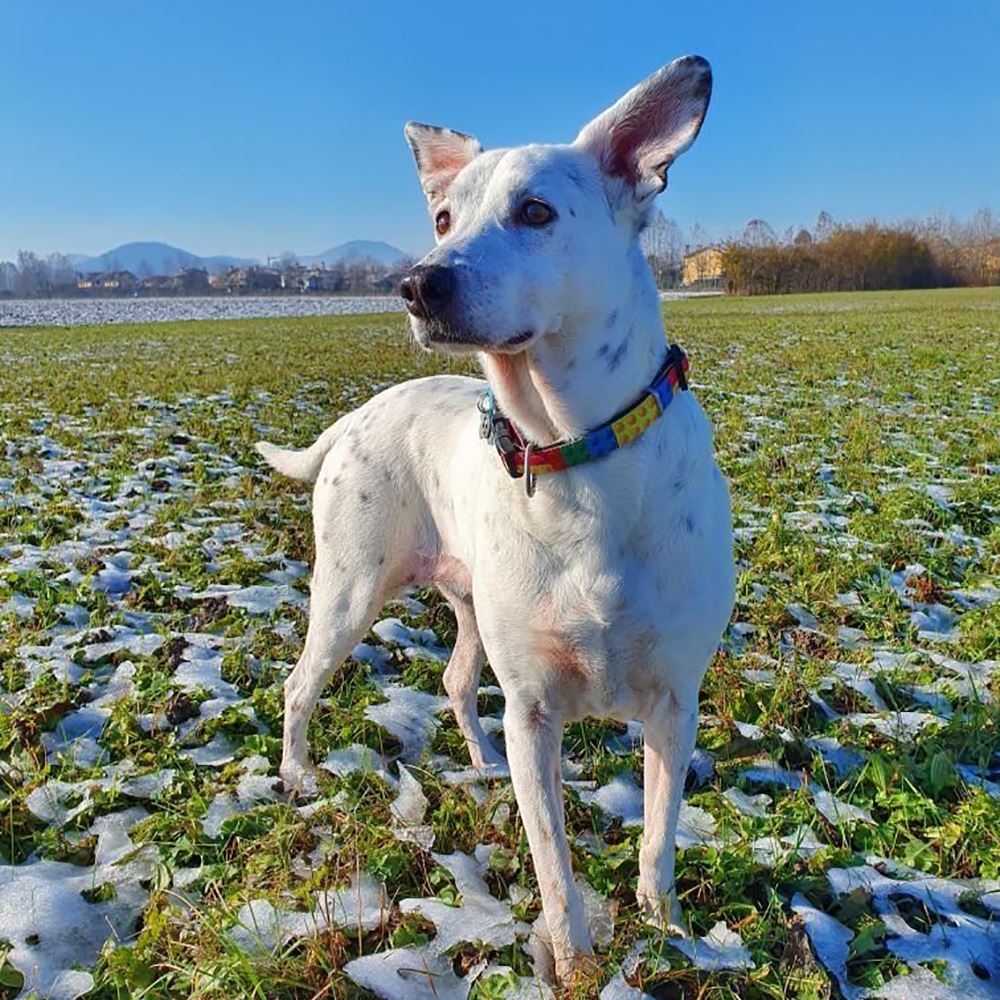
[
  {"x": 669, "y": 736},
  {"x": 534, "y": 738}
]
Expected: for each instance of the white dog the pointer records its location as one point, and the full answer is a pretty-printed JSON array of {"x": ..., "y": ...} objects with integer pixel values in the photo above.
[{"x": 597, "y": 583}]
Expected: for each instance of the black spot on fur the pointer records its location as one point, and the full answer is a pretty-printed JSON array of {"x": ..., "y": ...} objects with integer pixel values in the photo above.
[
  {"x": 365, "y": 497},
  {"x": 612, "y": 318},
  {"x": 689, "y": 524},
  {"x": 618, "y": 356},
  {"x": 602, "y": 351}
]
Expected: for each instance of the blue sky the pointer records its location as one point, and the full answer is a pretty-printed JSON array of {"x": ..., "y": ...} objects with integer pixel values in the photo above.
[{"x": 252, "y": 128}]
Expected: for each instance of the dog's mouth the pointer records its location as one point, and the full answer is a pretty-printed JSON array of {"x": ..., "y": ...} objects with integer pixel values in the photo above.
[{"x": 437, "y": 335}]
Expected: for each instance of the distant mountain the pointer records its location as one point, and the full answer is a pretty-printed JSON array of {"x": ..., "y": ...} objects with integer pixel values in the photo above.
[
  {"x": 354, "y": 250},
  {"x": 161, "y": 258},
  {"x": 156, "y": 258}
]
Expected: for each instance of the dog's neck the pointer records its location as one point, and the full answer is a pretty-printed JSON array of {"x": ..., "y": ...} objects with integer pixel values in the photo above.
[{"x": 575, "y": 379}]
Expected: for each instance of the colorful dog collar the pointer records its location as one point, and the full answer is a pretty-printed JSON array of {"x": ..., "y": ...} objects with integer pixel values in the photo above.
[{"x": 516, "y": 453}]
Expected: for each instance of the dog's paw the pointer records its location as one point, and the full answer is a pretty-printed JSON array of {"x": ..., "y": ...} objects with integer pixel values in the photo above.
[
  {"x": 499, "y": 770},
  {"x": 488, "y": 759},
  {"x": 485, "y": 756},
  {"x": 578, "y": 971},
  {"x": 299, "y": 780},
  {"x": 662, "y": 911},
  {"x": 559, "y": 964}
]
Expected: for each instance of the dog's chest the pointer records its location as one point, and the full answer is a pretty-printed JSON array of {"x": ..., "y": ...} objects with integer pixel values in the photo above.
[{"x": 611, "y": 589}]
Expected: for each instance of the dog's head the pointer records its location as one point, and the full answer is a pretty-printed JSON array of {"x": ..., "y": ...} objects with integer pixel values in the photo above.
[{"x": 538, "y": 239}]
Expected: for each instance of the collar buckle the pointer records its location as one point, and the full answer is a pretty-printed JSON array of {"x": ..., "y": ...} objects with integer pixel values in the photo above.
[
  {"x": 677, "y": 358},
  {"x": 501, "y": 433}
]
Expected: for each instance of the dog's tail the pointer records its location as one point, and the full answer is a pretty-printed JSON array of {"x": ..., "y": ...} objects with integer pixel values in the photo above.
[{"x": 305, "y": 464}]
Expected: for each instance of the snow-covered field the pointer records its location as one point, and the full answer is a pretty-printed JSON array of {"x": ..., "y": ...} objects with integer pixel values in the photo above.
[
  {"x": 99, "y": 312},
  {"x": 841, "y": 834}
]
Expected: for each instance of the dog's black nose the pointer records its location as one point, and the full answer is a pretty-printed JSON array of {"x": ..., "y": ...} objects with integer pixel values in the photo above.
[{"x": 427, "y": 289}]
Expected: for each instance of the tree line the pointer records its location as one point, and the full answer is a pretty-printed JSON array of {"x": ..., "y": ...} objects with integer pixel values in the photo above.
[
  {"x": 53, "y": 276},
  {"x": 34, "y": 275},
  {"x": 920, "y": 253}
]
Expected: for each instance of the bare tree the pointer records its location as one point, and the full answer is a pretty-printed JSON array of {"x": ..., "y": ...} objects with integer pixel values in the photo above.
[
  {"x": 758, "y": 233},
  {"x": 698, "y": 237},
  {"x": 32, "y": 275},
  {"x": 982, "y": 238},
  {"x": 825, "y": 226},
  {"x": 8, "y": 277},
  {"x": 663, "y": 245},
  {"x": 62, "y": 276}
]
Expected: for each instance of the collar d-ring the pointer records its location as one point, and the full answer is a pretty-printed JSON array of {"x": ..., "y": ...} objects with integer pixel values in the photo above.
[{"x": 529, "y": 476}]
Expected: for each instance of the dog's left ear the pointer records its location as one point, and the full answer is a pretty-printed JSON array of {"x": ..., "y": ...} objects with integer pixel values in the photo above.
[
  {"x": 638, "y": 138},
  {"x": 441, "y": 153}
]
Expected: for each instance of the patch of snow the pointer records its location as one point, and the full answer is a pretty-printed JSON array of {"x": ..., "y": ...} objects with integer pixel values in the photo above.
[
  {"x": 408, "y": 974},
  {"x": 720, "y": 948},
  {"x": 50, "y": 925},
  {"x": 479, "y": 917},
  {"x": 409, "y": 715},
  {"x": 408, "y": 810}
]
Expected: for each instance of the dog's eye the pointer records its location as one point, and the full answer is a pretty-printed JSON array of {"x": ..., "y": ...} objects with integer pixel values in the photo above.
[
  {"x": 442, "y": 222},
  {"x": 536, "y": 213}
]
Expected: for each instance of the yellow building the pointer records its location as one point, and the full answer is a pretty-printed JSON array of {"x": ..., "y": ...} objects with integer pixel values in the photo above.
[
  {"x": 991, "y": 263},
  {"x": 703, "y": 268}
]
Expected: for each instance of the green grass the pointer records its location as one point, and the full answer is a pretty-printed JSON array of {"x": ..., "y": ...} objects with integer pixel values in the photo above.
[{"x": 882, "y": 394}]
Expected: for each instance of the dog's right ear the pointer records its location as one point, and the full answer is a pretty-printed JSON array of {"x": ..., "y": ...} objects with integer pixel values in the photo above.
[
  {"x": 441, "y": 153},
  {"x": 638, "y": 138}
]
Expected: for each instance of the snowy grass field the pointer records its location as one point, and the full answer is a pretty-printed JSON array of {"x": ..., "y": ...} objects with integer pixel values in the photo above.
[
  {"x": 841, "y": 835},
  {"x": 102, "y": 312}
]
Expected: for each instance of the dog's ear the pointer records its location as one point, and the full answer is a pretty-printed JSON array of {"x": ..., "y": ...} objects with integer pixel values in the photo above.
[
  {"x": 638, "y": 138},
  {"x": 440, "y": 153}
]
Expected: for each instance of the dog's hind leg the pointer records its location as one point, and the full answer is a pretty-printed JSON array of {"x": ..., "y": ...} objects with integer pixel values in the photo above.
[
  {"x": 342, "y": 608},
  {"x": 461, "y": 681},
  {"x": 669, "y": 737}
]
